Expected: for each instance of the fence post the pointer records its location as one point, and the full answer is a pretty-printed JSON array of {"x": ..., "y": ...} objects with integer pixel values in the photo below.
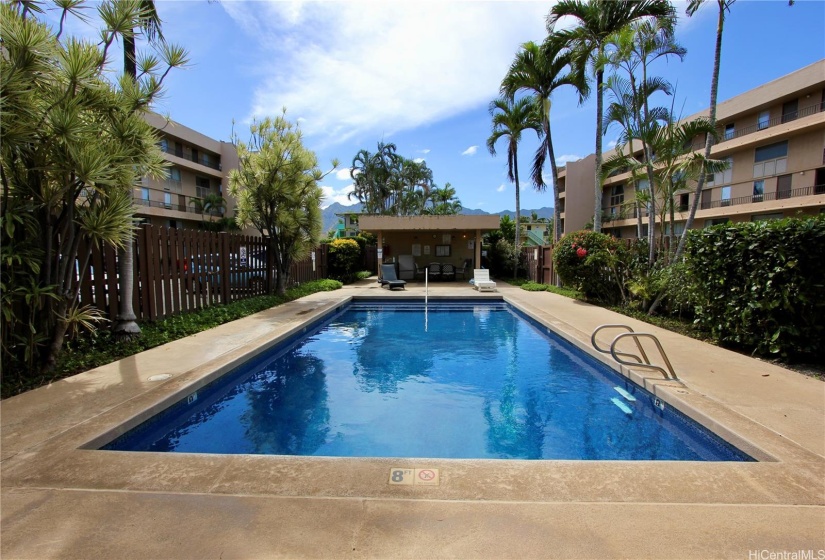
[{"x": 225, "y": 262}]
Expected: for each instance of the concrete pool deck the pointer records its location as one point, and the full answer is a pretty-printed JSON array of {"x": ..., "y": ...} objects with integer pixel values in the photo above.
[{"x": 63, "y": 499}]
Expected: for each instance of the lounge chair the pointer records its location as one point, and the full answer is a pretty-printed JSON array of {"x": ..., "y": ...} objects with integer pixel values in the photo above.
[
  {"x": 434, "y": 271},
  {"x": 389, "y": 278},
  {"x": 481, "y": 280}
]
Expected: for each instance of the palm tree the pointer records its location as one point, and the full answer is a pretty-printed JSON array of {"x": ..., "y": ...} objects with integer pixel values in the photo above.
[
  {"x": 538, "y": 70},
  {"x": 125, "y": 325},
  {"x": 511, "y": 118},
  {"x": 693, "y": 7},
  {"x": 636, "y": 47},
  {"x": 444, "y": 201},
  {"x": 598, "y": 20}
]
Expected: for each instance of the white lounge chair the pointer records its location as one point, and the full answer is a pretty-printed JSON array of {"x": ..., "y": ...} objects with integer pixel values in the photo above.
[{"x": 481, "y": 280}]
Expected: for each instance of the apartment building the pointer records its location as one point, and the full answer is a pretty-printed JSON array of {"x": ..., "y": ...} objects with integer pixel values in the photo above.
[
  {"x": 199, "y": 167},
  {"x": 773, "y": 138}
]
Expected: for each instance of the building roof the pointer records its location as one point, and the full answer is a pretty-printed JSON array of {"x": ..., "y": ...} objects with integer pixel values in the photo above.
[{"x": 369, "y": 222}]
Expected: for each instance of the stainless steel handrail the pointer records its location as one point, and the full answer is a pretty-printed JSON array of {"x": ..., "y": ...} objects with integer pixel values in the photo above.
[
  {"x": 607, "y": 350},
  {"x": 635, "y": 337},
  {"x": 644, "y": 361}
]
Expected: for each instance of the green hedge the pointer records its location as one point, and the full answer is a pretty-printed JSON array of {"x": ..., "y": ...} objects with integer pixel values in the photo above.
[{"x": 761, "y": 285}]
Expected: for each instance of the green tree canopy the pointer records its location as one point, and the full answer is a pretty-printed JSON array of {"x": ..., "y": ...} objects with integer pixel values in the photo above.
[
  {"x": 388, "y": 183},
  {"x": 277, "y": 192}
]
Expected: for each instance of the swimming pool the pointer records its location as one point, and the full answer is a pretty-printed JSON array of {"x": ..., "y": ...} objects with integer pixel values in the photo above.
[{"x": 457, "y": 379}]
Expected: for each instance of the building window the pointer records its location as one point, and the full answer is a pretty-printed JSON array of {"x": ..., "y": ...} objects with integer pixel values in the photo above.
[
  {"x": 764, "y": 120},
  {"x": 643, "y": 184},
  {"x": 725, "y": 196},
  {"x": 617, "y": 195},
  {"x": 167, "y": 200},
  {"x": 678, "y": 228},
  {"x": 178, "y": 149},
  {"x": 164, "y": 145},
  {"x": 789, "y": 110},
  {"x": 202, "y": 187},
  {"x": 729, "y": 131},
  {"x": 716, "y": 222},
  {"x": 684, "y": 200},
  {"x": 771, "y": 159},
  {"x": 725, "y": 176},
  {"x": 765, "y": 217},
  {"x": 195, "y": 156},
  {"x": 174, "y": 174},
  {"x": 758, "y": 190},
  {"x": 144, "y": 194}
]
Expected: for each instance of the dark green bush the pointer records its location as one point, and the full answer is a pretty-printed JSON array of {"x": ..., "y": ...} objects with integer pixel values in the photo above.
[
  {"x": 761, "y": 285},
  {"x": 596, "y": 264},
  {"x": 534, "y": 287}
]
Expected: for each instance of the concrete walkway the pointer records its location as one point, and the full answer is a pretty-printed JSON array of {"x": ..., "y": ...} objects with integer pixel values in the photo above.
[{"x": 63, "y": 499}]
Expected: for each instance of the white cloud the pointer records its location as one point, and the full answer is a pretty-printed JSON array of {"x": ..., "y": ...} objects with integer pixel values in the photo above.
[
  {"x": 343, "y": 174},
  {"x": 611, "y": 144},
  {"x": 357, "y": 68},
  {"x": 331, "y": 194},
  {"x": 471, "y": 151},
  {"x": 501, "y": 188},
  {"x": 561, "y": 160},
  {"x": 425, "y": 151}
]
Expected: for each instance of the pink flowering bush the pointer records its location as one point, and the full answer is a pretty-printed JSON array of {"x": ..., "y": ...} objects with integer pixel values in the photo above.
[{"x": 595, "y": 264}]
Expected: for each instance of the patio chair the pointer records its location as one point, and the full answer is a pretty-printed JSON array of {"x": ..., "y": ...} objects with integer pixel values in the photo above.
[
  {"x": 464, "y": 268},
  {"x": 481, "y": 280},
  {"x": 389, "y": 278},
  {"x": 434, "y": 271},
  {"x": 447, "y": 271},
  {"x": 419, "y": 272}
]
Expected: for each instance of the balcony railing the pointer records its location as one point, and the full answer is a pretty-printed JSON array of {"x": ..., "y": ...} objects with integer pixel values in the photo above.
[
  {"x": 629, "y": 213},
  {"x": 212, "y": 162},
  {"x": 756, "y": 198},
  {"x": 739, "y": 132},
  {"x": 177, "y": 207}
]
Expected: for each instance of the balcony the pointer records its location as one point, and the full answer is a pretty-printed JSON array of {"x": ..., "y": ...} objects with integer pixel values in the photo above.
[
  {"x": 756, "y": 198},
  {"x": 738, "y": 133},
  {"x": 212, "y": 162},
  {"x": 190, "y": 208}
]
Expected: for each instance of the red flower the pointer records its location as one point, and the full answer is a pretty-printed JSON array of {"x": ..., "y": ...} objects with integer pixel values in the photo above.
[{"x": 581, "y": 252}]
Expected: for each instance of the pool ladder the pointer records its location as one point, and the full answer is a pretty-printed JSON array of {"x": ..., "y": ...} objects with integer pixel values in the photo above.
[{"x": 642, "y": 361}]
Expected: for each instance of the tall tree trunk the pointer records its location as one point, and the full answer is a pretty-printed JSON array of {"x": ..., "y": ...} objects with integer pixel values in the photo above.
[
  {"x": 597, "y": 204},
  {"x": 518, "y": 213},
  {"x": 554, "y": 171},
  {"x": 125, "y": 326},
  {"x": 714, "y": 89},
  {"x": 697, "y": 196}
]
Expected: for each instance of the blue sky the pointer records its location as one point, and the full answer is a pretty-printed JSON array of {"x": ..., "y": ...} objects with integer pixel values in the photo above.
[{"x": 421, "y": 74}]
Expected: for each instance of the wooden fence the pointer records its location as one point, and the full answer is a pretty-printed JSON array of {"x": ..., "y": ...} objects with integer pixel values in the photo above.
[
  {"x": 181, "y": 270},
  {"x": 540, "y": 264}
]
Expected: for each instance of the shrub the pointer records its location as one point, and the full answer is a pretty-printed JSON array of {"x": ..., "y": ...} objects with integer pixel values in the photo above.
[
  {"x": 363, "y": 274},
  {"x": 534, "y": 287},
  {"x": 760, "y": 285},
  {"x": 345, "y": 257},
  {"x": 595, "y": 264}
]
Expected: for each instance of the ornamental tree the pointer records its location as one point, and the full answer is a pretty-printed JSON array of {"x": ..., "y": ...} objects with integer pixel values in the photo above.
[
  {"x": 74, "y": 146},
  {"x": 277, "y": 192}
]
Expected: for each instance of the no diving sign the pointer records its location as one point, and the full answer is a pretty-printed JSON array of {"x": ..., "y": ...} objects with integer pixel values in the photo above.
[{"x": 416, "y": 477}]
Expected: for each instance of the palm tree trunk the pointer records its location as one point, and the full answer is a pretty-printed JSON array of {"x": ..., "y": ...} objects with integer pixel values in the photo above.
[
  {"x": 597, "y": 204},
  {"x": 518, "y": 213},
  {"x": 124, "y": 326},
  {"x": 714, "y": 89}
]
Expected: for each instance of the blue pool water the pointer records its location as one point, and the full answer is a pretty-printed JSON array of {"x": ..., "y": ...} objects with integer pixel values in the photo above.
[{"x": 463, "y": 380}]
